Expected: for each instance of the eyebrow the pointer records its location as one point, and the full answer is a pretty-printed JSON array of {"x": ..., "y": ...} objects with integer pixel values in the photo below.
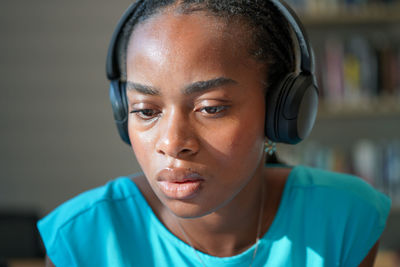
[
  {"x": 141, "y": 88},
  {"x": 201, "y": 86},
  {"x": 196, "y": 87}
]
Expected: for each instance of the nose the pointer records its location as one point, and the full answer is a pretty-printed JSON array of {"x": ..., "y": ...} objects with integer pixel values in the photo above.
[{"x": 177, "y": 137}]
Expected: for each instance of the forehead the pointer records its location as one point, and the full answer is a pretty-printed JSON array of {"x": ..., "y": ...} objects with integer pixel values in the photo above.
[{"x": 199, "y": 42}]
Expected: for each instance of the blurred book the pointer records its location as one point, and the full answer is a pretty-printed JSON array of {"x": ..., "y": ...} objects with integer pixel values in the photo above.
[
  {"x": 333, "y": 6},
  {"x": 356, "y": 71}
]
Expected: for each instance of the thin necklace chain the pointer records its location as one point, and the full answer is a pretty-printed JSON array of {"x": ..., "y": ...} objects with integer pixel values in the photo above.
[
  {"x": 190, "y": 243},
  {"x": 260, "y": 215}
]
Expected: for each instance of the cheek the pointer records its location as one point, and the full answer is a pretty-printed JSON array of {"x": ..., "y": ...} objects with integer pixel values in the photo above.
[
  {"x": 242, "y": 137},
  {"x": 142, "y": 146},
  {"x": 238, "y": 141}
]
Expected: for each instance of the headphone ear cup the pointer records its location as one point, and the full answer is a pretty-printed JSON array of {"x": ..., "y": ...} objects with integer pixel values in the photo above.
[
  {"x": 119, "y": 106},
  {"x": 273, "y": 101},
  {"x": 296, "y": 106},
  {"x": 302, "y": 105}
]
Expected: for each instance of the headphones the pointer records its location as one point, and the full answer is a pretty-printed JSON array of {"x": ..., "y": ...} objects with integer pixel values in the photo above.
[{"x": 291, "y": 107}]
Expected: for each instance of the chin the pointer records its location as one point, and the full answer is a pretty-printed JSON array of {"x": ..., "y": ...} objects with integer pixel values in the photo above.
[{"x": 187, "y": 210}]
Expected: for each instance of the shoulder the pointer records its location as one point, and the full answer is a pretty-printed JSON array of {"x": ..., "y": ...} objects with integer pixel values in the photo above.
[
  {"x": 337, "y": 186},
  {"x": 115, "y": 190},
  {"x": 89, "y": 216},
  {"x": 340, "y": 208}
]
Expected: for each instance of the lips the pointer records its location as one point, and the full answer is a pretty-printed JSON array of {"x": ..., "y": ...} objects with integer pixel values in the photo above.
[{"x": 179, "y": 183}]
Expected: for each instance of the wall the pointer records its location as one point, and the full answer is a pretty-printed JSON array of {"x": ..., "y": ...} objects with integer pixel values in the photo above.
[{"x": 57, "y": 134}]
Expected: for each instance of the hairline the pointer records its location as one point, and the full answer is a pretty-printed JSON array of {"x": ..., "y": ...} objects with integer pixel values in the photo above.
[{"x": 179, "y": 8}]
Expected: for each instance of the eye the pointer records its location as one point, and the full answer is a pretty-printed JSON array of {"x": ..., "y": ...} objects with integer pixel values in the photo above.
[
  {"x": 213, "y": 110},
  {"x": 145, "y": 114}
]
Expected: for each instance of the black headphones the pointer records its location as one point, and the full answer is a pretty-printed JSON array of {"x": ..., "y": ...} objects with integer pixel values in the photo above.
[{"x": 291, "y": 108}]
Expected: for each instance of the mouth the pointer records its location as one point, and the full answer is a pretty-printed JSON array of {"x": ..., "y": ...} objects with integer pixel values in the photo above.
[{"x": 179, "y": 184}]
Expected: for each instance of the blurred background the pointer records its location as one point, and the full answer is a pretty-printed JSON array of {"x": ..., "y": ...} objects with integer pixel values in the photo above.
[{"x": 58, "y": 138}]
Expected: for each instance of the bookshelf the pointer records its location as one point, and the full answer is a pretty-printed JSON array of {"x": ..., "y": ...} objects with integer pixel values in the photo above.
[
  {"x": 373, "y": 14},
  {"x": 372, "y": 109},
  {"x": 357, "y": 49}
]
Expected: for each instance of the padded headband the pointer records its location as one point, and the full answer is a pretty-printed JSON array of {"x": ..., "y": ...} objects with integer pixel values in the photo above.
[
  {"x": 307, "y": 63},
  {"x": 112, "y": 65}
]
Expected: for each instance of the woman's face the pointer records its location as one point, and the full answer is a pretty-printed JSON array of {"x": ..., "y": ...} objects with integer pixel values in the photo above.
[{"x": 196, "y": 102}]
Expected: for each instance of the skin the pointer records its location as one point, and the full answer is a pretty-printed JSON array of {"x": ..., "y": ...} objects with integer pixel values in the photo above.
[{"x": 215, "y": 130}]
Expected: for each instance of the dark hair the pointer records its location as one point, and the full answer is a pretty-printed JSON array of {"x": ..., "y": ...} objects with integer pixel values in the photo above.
[
  {"x": 272, "y": 40},
  {"x": 271, "y": 34}
]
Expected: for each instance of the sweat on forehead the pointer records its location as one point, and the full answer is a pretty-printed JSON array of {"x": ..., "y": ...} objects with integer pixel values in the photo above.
[
  {"x": 170, "y": 25},
  {"x": 194, "y": 41}
]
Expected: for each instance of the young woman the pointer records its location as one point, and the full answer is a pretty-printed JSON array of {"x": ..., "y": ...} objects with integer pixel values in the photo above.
[{"x": 197, "y": 81}]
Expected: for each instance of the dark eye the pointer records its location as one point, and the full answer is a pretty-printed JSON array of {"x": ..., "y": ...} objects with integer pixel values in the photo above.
[
  {"x": 213, "y": 110},
  {"x": 145, "y": 114}
]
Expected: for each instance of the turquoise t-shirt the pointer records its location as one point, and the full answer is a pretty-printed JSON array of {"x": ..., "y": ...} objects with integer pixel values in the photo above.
[{"x": 324, "y": 219}]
